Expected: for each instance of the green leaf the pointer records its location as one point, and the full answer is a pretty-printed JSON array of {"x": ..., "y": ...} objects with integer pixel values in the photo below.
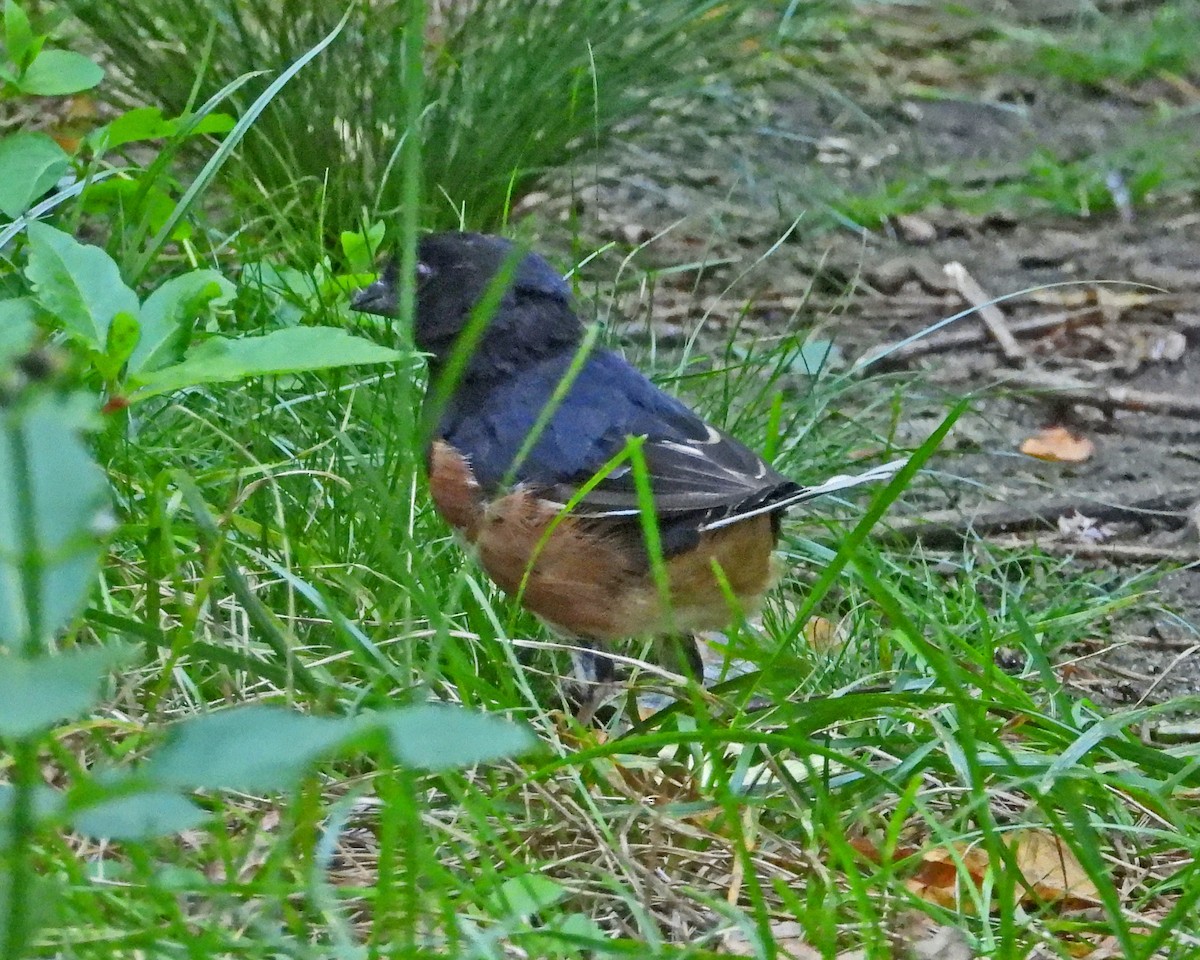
[
  {"x": 526, "y": 895},
  {"x": 16, "y": 328},
  {"x": 36, "y": 693},
  {"x": 359, "y": 250},
  {"x": 439, "y": 736},
  {"x": 255, "y": 749},
  {"x": 816, "y": 357},
  {"x": 221, "y": 359},
  {"x": 53, "y": 502},
  {"x": 18, "y": 34},
  {"x": 40, "y": 904},
  {"x": 123, "y": 335},
  {"x": 139, "y": 816},
  {"x": 47, "y": 803},
  {"x": 78, "y": 284},
  {"x": 169, "y": 314},
  {"x": 32, "y": 164},
  {"x": 148, "y": 123},
  {"x": 578, "y": 926},
  {"x": 136, "y": 201},
  {"x": 57, "y": 72}
]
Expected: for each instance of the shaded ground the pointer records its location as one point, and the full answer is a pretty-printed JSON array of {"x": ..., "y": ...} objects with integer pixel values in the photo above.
[{"x": 960, "y": 145}]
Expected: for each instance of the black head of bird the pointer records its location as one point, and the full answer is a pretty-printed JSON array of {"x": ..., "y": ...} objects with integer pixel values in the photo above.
[{"x": 533, "y": 314}]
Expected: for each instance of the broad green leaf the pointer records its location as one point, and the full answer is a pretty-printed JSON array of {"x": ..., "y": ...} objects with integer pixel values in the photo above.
[
  {"x": 439, "y": 736},
  {"x": 557, "y": 935},
  {"x": 360, "y": 251},
  {"x": 256, "y": 749},
  {"x": 40, "y": 906},
  {"x": 32, "y": 164},
  {"x": 123, "y": 334},
  {"x": 221, "y": 359},
  {"x": 135, "y": 201},
  {"x": 36, "y": 693},
  {"x": 51, "y": 492},
  {"x": 148, "y": 123},
  {"x": 169, "y": 314},
  {"x": 816, "y": 357},
  {"x": 139, "y": 816},
  {"x": 526, "y": 895},
  {"x": 578, "y": 926},
  {"x": 47, "y": 803},
  {"x": 78, "y": 284},
  {"x": 18, "y": 34},
  {"x": 16, "y": 328},
  {"x": 57, "y": 72}
]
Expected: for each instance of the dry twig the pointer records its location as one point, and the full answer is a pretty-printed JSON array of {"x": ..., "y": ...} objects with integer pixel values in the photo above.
[
  {"x": 1069, "y": 390},
  {"x": 989, "y": 313},
  {"x": 955, "y": 338},
  {"x": 948, "y": 528},
  {"x": 1114, "y": 552}
]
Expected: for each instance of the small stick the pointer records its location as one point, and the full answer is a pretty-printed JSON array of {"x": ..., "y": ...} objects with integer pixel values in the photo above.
[
  {"x": 1116, "y": 552},
  {"x": 954, "y": 338},
  {"x": 1108, "y": 399},
  {"x": 989, "y": 313},
  {"x": 948, "y": 528}
]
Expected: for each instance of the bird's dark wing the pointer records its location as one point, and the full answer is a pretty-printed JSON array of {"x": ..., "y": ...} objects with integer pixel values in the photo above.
[{"x": 694, "y": 469}]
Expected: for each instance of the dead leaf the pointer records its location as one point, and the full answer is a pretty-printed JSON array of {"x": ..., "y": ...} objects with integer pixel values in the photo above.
[
  {"x": 1058, "y": 445},
  {"x": 1081, "y": 529},
  {"x": 1169, "y": 347},
  {"x": 1064, "y": 297},
  {"x": 928, "y": 940},
  {"x": 1050, "y": 873},
  {"x": 916, "y": 230},
  {"x": 937, "y": 878},
  {"x": 789, "y": 940},
  {"x": 1050, "y": 868},
  {"x": 836, "y": 150},
  {"x": 823, "y": 635}
]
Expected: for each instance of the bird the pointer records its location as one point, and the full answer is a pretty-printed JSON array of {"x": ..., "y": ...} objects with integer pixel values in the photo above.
[{"x": 530, "y": 461}]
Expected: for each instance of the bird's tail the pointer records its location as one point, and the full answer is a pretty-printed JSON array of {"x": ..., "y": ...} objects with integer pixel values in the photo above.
[{"x": 804, "y": 494}]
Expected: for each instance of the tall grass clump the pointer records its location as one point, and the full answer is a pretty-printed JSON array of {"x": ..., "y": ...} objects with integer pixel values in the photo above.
[{"x": 514, "y": 88}]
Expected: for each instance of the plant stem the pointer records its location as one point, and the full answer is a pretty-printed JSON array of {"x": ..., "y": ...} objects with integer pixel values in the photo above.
[{"x": 25, "y": 768}]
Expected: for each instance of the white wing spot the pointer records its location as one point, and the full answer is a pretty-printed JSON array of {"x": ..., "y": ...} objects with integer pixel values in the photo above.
[{"x": 686, "y": 448}]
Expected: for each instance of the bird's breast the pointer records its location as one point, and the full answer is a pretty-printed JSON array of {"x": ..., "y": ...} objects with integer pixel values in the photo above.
[{"x": 586, "y": 576}]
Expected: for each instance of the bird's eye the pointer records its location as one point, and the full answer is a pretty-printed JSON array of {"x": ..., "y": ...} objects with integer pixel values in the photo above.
[{"x": 424, "y": 271}]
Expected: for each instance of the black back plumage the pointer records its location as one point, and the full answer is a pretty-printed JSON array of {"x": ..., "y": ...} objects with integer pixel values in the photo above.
[{"x": 697, "y": 473}]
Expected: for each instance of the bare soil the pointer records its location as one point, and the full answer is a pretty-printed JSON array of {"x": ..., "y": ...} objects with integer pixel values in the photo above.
[{"x": 1117, "y": 292}]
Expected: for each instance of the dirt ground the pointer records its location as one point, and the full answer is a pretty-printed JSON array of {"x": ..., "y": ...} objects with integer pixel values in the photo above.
[{"x": 1112, "y": 357}]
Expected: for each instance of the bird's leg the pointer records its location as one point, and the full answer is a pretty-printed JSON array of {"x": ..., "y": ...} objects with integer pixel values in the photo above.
[
  {"x": 691, "y": 654},
  {"x": 596, "y": 680},
  {"x": 681, "y": 653}
]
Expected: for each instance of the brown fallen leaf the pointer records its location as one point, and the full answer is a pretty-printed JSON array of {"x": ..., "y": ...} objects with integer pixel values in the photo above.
[
  {"x": 936, "y": 880},
  {"x": 1050, "y": 873},
  {"x": 1050, "y": 868},
  {"x": 1058, "y": 445},
  {"x": 823, "y": 635}
]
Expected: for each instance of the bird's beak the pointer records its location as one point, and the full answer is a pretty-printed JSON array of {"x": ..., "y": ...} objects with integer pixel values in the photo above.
[{"x": 379, "y": 298}]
